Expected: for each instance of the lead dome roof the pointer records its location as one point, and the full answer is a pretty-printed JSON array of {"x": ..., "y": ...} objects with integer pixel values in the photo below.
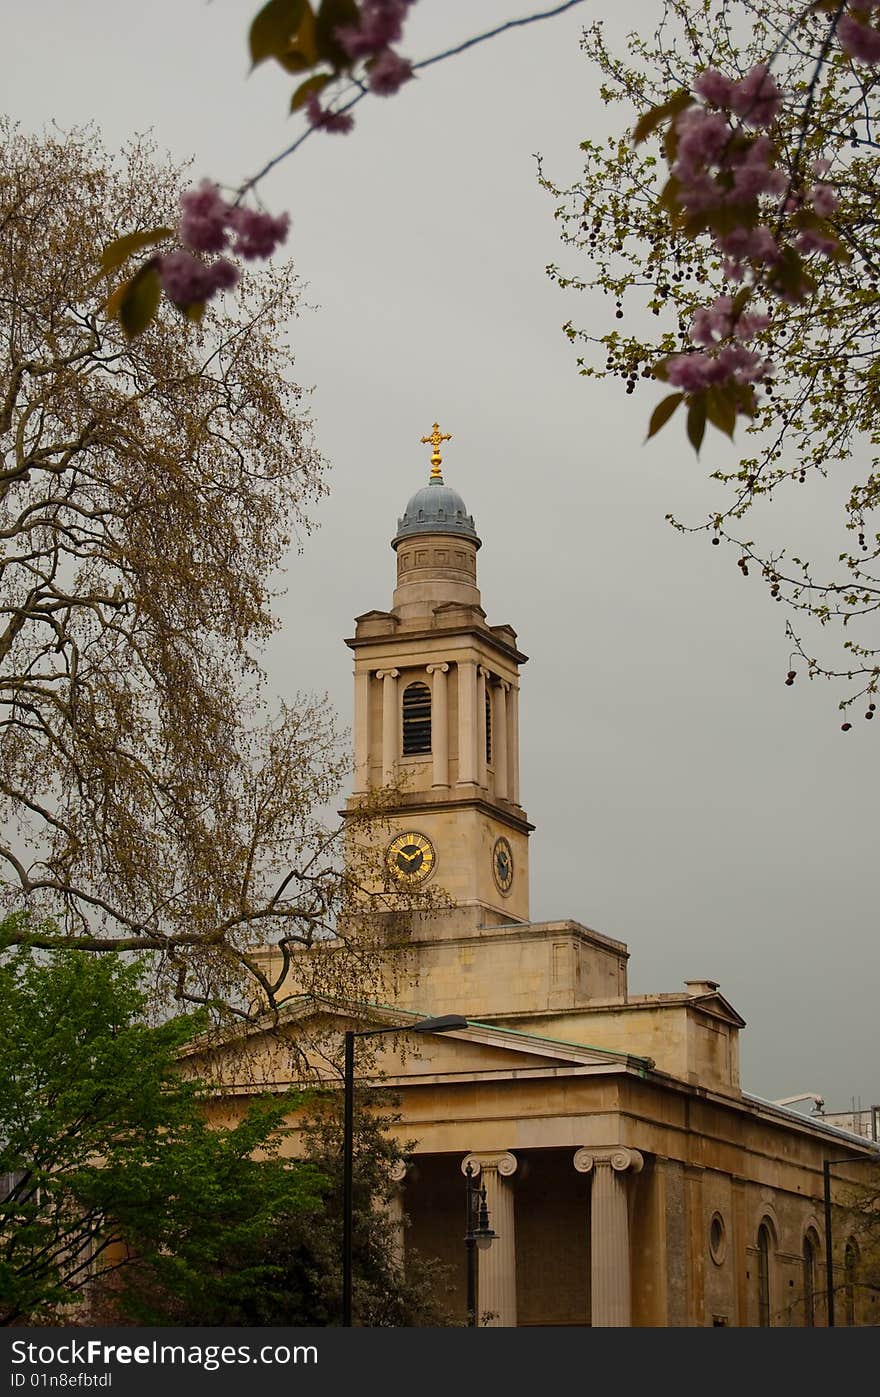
[{"x": 435, "y": 509}]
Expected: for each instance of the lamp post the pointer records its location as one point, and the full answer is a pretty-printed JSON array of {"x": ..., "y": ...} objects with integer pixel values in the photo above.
[
  {"x": 477, "y": 1235},
  {"x": 443, "y": 1024},
  {"x": 826, "y": 1188}
]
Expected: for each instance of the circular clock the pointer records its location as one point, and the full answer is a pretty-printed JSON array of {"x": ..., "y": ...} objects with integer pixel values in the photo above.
[
  {"x": 410, "y": 857},
  {"x": 502, "y": 865}
]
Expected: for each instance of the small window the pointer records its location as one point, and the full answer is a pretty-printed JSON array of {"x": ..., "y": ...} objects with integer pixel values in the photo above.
[
  {"x": 849, "y": 1282},
  {"x": 717, "y": 1239},
  {"x": 809, "y": 1262},
  {"x": 416, "y": 719},
  {"x": 488, "y": 726},
  {"x": 764, "y": 1276}
]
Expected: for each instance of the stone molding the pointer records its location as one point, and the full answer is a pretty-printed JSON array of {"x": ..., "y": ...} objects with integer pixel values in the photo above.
[{"x": 620, "y": 1158}]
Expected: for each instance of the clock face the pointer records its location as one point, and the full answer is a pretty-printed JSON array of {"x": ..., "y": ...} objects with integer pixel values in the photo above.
[
  {"x": 410, "y": 857},
  {"x": 502, "y": 865}
]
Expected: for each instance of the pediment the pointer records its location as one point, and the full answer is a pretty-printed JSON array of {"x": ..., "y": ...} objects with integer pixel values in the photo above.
[{"x": 274, "y": 1050}]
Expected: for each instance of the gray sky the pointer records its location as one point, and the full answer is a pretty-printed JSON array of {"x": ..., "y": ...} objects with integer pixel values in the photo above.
[{"x": 685, "y": 800}]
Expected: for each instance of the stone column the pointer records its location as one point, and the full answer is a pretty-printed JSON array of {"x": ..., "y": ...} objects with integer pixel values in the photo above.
[
  {"x": 467, "y": 730},
  {"x": 482, "y": 676},
  {"x": 390, "y": 725},
  {"x": 497, "y": 1264},
  {"x": 513, "y": 744},
  {"x": 610, "y": 1271},
  {"x": 361, "y": 731},
  {"x": 499, "y": 739},
  {"x": 395, "y": 1213},
  {"x": 439, "y": 724}
]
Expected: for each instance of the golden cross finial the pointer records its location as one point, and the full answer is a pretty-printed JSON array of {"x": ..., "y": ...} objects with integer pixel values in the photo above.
[{"x": 434, "y": 440}]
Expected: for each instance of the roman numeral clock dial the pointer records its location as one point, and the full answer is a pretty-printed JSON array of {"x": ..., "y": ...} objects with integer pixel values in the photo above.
[{"x": 410, "y": 857}]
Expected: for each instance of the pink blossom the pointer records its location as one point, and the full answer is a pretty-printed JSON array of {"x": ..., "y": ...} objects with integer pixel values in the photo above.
[
  {"x": 747, "y": 326},
  {"x": 258, "y": 234},
  {"x": 757, "y": 244},
  {"x": 381, "y": 24},
  {"x": 823, "y": 199},
  {"x": 821, "y": 167},
  {"x": 702, "y": 137},
  {"x": 732, "y": 271},
  {"x": 203, "y": 221},
  {"x": 715, "y": 88},
  {"x": 861, "y": 41},
  {"x": 323, "y": 120},
  {"x": 688, "y": 372},
  {"x": 712, "y": 323},
  {"x": 388, "y": 72},
  {"x": 754, "y": 173},
  {"x": 810, "y": 241},
  {"x": 756, "y": 98},
  {"x": 187, "y": 280}
]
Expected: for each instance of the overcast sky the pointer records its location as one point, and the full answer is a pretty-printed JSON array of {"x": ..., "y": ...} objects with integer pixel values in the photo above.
[{"x": 686, "y": 801}]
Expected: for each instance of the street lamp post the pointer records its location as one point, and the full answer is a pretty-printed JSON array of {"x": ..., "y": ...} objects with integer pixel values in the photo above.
[
  {"x": 445, "y": 1024},
  {"x": 478, "y": 1234},
  {"x": 826, "y": 1188}
]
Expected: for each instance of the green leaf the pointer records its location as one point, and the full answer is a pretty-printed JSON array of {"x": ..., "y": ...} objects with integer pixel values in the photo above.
[
  {"x": 333, "y": 15},
  {"x": 669, "y": 195},
  {"x": 305, "y": 89},
  {"x": 273, "y": 28},
  {"x": 696, "y": 421},
  {"x": 194, "y": 311},
  {"x": 721, "y": 409},
  {"x": 659, "y": 370},
  {"x": 653, "y": 118},
  {"x": 301, "y": 52},
  {"x": 662, "y": 413},
  {"x": 140, "y": 302},
  {"x": 121, "y": 249}
]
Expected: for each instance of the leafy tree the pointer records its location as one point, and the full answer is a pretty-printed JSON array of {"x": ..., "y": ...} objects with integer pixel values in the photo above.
[
  {"x": 150, "y": 489},
  {"x": 783, "y": 207},
  {"x": 290, "y": 1273},
  {"x": 118, "y": 1193},
  {"x": 106, "y": 1154}
]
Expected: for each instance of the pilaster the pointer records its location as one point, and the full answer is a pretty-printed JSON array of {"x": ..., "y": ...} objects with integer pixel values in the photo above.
[
  {"x": 439, "y": 724},
  {"x": 390, "y": 724}
]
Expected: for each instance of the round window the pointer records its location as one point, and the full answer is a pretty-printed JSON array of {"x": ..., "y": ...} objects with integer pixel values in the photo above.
[{"x": 717, "y": 1239}]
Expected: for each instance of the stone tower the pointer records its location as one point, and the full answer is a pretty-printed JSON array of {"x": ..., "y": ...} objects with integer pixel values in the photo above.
[{"x": 436, "y": 714}]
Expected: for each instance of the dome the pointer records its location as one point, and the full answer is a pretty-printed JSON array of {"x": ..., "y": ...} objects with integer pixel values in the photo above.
[{"x": 435, "y": 509}]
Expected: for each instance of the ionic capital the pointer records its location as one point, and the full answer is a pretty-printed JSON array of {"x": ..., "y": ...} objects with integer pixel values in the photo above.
[
  {"x": 621, "y": 1159},
  {"x": 398, "y": 1171},
  {"x": 442, "y": 668},
  {"x": 387, "y": 673},
  {"x": 498, "y": 1161}
]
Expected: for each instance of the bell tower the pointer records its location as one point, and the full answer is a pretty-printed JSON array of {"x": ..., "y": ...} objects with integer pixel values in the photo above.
[{"x": 436, "y": 715}]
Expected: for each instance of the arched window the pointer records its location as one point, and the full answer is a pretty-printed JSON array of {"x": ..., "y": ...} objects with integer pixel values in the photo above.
[
  {"x": 764, "y": 1276},
  {"x": 809, "y": 1263},
  {"x": 488, "y": 726},
  {"x": 416, "y": 719},
  {"x": 850, "y": 1260}
]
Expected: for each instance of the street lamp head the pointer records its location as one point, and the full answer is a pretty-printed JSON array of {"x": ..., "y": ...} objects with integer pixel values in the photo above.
[
  {"x": 484, "y": 1240},
  {"x": 445, "y": 1024}
]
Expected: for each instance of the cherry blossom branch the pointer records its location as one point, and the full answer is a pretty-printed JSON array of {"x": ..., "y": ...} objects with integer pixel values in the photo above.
[{"x": 347, "y": 107}]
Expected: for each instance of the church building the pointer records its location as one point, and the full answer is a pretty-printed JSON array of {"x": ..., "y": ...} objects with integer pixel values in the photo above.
[{"x": 629, "y": 1178}]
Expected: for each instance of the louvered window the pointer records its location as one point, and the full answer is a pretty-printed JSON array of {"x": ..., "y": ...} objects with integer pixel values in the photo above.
[
  {"x": 416, "y": 719},
  {"x": 488, "y": 727}
]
